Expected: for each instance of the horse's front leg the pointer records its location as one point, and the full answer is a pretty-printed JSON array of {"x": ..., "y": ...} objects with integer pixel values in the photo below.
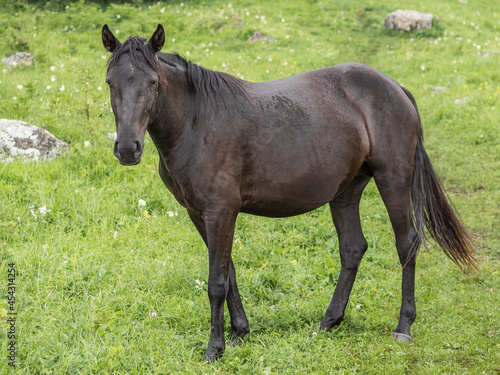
[
  {"x": 239, "y": 322},
  {"x": 219, "y": 225}
]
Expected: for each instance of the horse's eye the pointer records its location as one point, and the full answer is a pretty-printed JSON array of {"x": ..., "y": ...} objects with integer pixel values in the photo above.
[{"x": 153, "y": 83}]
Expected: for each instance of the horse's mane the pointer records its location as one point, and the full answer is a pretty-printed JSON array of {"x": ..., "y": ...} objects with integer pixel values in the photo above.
[{"x": 216, "y": 88}]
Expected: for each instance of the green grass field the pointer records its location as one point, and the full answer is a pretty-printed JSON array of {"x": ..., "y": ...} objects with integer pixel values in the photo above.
[{"x": 92, "y": 271}]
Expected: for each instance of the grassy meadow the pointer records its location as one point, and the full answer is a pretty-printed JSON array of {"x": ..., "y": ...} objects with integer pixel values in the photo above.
[{"x": 106, "y": 286}]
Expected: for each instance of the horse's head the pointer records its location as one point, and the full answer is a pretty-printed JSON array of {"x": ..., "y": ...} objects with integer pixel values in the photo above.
[{"x": 133, "y": 76}]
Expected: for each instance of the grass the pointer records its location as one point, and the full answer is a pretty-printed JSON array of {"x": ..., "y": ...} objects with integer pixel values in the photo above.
[{"x": 93, "y": 269}]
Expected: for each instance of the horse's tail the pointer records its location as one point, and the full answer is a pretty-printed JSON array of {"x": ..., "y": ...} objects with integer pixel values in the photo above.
[{"x": 432, "y": 209}]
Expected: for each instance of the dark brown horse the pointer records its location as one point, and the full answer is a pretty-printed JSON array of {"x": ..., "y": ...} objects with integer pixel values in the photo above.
[{"x": 277, "y": 149}]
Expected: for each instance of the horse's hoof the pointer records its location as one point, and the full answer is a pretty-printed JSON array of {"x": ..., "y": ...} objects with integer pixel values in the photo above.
[
  {"x": 401, "y": 337},
  {"x": 211, "y": 356},
  {"x": 238, "y": 335},
  {"x": 237, "y": 341}
]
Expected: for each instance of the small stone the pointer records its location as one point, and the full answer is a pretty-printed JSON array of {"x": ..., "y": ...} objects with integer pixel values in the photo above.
[
  {"x": 408, "y": 20},
  {"x": 462, "y": 101},
  {"x": 487, "y": 53},
  {"x": 258, "y": 36},
  {"x": 19, "y": 58},
  {"x": 19, "y": 139},
  {"x": 440, "y": 88}
]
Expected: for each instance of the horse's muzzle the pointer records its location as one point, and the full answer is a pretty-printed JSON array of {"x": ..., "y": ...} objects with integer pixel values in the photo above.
[{"x": 128, "y": 153}]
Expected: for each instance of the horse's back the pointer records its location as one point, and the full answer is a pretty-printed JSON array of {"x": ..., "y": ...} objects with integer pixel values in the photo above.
[{"x": 314, "y": 131}]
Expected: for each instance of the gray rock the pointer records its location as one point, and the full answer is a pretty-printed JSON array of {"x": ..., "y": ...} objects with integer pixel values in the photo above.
[
  {"x": 408, "y": 20},
  {"x": 19, "y": 139},
  {"x": 440, "y": 88},
  {"x": 462, "y": 101},
  {"x": 19, "y": 58},
  {"x": 258, "y": 36},
  {"x": 488, "y": 53}
]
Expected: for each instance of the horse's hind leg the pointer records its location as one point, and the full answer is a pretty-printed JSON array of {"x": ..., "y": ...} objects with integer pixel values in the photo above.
[
  {"x": 352, "y": 246},
  {"x": 394, "y": 187}
]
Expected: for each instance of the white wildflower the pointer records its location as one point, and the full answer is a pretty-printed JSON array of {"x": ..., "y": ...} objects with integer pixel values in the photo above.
[
  {"x": 43, "y": 210},
  {"x": 86, "y": 143},
  {"x": 32, "y": 208},
  {"x": 199, "y": 284},
  {"x": 141, "y": 203}
]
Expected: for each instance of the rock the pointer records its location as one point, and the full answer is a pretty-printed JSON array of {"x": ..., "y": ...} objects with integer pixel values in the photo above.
[
  {"x": 487, "y": 53},
  {"x": 258, "y": 36},
  {"x": 19, "y": 139},
  {"x": 408, "y": 20},
  {"x": 462, "y": 101},
  {"x": 19, "y": 58},
  {"x": 440, "y": 88}
]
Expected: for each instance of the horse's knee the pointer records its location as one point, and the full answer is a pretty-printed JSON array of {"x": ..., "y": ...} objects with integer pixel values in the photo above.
[
  {"x": 217, "y": 288},
  {"x": 351, "y": 255}
]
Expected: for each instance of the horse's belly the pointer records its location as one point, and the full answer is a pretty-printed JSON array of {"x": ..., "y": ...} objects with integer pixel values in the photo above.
[
  {"x": 277, "y": 208},
  {"x": 277, "y": 198}
]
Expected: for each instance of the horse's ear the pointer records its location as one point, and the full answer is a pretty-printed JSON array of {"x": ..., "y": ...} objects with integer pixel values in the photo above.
[
  {"x": 109, "y": 40},
  {"x": 157, "y": 40}
]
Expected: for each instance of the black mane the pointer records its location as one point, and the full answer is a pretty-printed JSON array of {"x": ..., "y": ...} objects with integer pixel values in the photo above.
[{"x": 216, "y": 88}]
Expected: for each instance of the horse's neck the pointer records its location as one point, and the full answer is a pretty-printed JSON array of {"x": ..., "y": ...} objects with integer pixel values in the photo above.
[{"x": 173, "y": 116}]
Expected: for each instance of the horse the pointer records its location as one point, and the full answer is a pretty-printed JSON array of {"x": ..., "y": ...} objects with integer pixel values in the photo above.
[{"x": 278, "y": 149}]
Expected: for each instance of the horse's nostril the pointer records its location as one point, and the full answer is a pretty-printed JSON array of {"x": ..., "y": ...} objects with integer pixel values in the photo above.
[
  {"x": 138, "y": 149},
  {"x": 115, "y": 150}
]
